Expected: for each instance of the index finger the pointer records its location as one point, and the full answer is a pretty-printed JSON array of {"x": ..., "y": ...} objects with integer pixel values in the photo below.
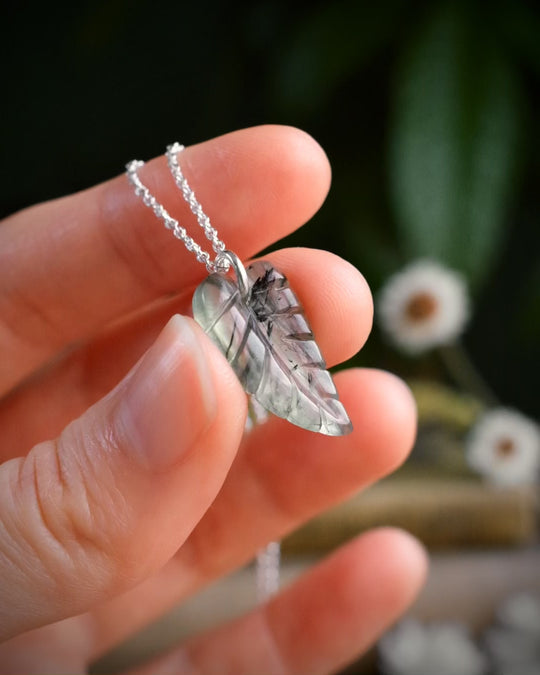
[{"x": 70, "y": 266}]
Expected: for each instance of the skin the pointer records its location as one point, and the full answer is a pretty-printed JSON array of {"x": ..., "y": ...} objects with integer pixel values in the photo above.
[{"x": 127, "y": 482}]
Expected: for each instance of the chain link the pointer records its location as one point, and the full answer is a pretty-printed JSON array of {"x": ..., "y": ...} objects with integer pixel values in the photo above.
[
  {"x": 267, "y": 571},
  {"x": 220, "y": 263},
  {"x": 268, "y": 559}
]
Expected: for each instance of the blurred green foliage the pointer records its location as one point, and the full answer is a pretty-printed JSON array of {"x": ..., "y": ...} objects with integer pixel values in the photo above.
[
  {"x": 454, "y": 142},
  {"x": 428, "y": 111}
]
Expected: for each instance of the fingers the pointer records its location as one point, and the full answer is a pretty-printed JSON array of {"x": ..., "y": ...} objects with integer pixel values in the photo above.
[
  {"x": 318, "y": 625},
  {"x": 335, "y": 296},
  {"x": 69, "y": 266},
  {"x": 293, "y": 474},
  {"x": 281, "y": 476},
  {"x": 107, "y": 504}
]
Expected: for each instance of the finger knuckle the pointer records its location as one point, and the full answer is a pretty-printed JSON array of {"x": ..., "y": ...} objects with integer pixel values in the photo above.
[{"x": 76, "y": 516}]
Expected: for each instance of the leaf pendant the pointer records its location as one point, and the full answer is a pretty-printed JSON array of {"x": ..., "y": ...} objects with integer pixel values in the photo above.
[{"x": 260, "y": 327}]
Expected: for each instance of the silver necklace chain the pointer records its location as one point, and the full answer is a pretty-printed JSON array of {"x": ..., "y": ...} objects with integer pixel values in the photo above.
[
  {"x": 221, "y": 262},
  {"x": 268, "y": 559}
]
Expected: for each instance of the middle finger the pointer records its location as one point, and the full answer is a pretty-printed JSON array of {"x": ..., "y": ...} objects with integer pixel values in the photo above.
[{"x": 334, "y": 294}]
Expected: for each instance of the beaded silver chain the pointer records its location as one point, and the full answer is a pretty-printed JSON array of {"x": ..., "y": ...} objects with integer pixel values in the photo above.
[
  {"x": 268, "y": 558},
  {"x": 220, "y": 262}
]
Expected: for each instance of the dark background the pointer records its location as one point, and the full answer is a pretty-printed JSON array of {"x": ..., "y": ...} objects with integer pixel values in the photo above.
[{"x": 427, "y": 110}]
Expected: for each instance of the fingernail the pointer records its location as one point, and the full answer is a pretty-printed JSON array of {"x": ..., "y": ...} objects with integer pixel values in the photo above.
[{"x": 169, "y": 401}]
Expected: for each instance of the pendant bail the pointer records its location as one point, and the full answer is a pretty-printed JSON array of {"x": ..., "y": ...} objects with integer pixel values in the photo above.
[{"x": 227, "y": 259}]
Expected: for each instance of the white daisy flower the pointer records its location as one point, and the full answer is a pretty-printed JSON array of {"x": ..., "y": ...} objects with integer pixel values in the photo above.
[
  {"x": 423, "y": 306},
  {"x": 442, "y": 648},
  {"x": 504, "y": 447}
]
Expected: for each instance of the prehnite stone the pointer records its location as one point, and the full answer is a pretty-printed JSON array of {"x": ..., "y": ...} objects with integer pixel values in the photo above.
[{"x": 270, "y": 346}]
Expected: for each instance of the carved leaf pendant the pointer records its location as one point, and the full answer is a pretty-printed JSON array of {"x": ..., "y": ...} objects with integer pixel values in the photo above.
[{"x": 266, "y": 338}]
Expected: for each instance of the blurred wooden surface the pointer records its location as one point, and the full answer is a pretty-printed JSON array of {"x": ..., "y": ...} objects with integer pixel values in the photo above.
[
  {"x": 463, "y": 587},
  {"x": 443, "y": 513}
]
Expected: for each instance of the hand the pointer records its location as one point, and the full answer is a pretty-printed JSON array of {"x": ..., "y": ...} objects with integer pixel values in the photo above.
[{"x": 150, "y": 490}]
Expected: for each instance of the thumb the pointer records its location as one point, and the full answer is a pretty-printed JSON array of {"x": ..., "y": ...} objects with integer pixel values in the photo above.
[{"x": 111, "y": 500}]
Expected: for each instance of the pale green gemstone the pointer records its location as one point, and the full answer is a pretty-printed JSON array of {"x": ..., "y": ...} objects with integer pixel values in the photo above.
[{"x": 270, "y": 346}]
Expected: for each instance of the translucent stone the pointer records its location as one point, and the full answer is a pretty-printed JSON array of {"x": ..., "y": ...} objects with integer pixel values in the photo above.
[{"x": 268, "y": 342}]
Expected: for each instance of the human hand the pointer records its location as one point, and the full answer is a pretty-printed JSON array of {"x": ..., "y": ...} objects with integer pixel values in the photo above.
[{"x": 151, "y": 490}]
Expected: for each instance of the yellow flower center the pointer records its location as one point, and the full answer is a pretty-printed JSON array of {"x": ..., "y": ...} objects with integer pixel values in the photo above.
[{"x": 421, "y": 306}]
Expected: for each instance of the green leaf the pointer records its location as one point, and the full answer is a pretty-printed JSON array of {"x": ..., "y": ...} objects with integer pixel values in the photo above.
[{"x": 454, "y": 143}]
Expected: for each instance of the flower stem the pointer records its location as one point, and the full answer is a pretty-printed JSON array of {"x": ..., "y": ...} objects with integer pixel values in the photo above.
[{"x": 465, "y": 374}]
